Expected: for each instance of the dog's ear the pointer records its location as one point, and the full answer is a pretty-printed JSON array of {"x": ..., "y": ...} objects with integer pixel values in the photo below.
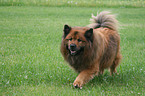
[
  {"x": 66, "y": 30},
  {"x": 89, "y": 34}
]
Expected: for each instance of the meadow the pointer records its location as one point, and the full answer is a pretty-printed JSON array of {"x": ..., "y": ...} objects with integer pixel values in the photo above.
[
  {"x": 75, "y": 3},
  {"x": 31, "y": 63}
]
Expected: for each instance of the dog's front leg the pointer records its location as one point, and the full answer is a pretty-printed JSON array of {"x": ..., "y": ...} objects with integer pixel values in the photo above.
[{"x": 84, "y": 77}]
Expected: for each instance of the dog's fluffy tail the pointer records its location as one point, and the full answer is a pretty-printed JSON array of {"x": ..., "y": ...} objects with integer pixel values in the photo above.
[{"x": 104, "y": 19}]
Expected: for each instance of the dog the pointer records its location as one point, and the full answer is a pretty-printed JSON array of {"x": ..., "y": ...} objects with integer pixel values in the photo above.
[{"x": 91, "y": 49}]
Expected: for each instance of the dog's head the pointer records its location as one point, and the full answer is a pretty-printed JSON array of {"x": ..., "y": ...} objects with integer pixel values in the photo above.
[{"x": 77, "y": 38}]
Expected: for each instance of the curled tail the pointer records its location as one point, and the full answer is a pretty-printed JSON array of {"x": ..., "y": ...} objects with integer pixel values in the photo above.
[{"x": 104, "y": 19}]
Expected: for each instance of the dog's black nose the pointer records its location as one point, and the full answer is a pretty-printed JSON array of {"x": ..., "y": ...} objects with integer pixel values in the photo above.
[{"x": 72, "y": 47}]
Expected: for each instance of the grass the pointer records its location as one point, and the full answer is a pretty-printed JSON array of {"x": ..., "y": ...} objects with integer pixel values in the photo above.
[
  {"x": 86, "y": 3},
  {"x": 30, "y": 59}
]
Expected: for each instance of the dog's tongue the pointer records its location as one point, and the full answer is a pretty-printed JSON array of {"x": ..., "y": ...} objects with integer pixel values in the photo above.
[{"x": 73, "y": 52}]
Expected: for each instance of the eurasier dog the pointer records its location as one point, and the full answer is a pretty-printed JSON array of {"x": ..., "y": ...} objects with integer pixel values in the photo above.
[{"x": 89, "y": 50}]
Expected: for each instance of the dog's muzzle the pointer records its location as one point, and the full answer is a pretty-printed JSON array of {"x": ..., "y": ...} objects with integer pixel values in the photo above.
[{"x": 73, "y": 49}]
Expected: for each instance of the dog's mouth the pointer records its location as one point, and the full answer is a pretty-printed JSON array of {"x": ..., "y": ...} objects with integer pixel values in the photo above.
[
  {"x": 76, "y": 52},
  {"x": 73, "y": 52}
]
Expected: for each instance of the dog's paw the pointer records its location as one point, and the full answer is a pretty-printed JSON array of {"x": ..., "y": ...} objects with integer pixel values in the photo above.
[{"x": 78, "y": 84}]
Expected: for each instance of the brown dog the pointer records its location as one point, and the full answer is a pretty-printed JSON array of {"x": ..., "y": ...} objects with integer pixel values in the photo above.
[{"x": 89, "y": 50}]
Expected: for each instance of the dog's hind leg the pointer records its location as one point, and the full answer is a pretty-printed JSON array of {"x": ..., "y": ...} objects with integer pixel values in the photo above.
[
  {"x": 115, "y": 64},
  {"x": 101, "y": 71}
]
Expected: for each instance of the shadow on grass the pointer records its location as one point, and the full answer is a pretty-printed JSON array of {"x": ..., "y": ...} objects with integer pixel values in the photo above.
[{"x": 122, "y": 79}]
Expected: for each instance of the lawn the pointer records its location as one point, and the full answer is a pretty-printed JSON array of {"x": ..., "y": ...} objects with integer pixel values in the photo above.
[{"x": 30, "y": 59}]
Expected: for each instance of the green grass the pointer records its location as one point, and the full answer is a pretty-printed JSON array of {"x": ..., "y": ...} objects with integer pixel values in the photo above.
[
  {"x": 86, "y": 3},
  {"x": 30, "y": 59}
]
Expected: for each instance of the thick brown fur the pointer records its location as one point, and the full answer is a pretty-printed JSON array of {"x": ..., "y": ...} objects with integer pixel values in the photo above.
[{"x": 89, "y": 50}]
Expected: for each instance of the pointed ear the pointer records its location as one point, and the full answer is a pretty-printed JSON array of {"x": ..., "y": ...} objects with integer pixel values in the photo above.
[
  {"x": 66, "y": 30},
  {"x": 89, "y": 34}
]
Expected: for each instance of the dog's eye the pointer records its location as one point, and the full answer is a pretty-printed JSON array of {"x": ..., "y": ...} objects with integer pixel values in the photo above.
[
  {"x": 70, "y": 39},
  {"x": 79, "y": 40}
]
